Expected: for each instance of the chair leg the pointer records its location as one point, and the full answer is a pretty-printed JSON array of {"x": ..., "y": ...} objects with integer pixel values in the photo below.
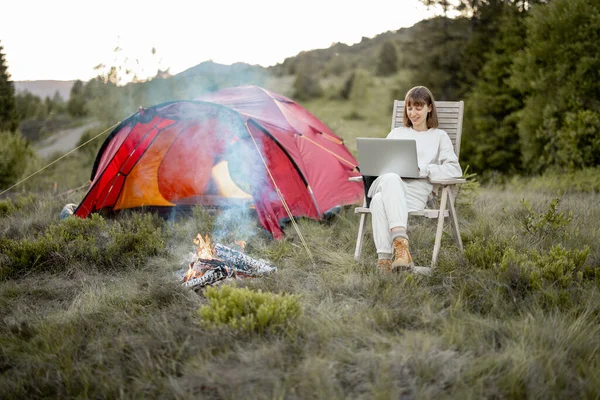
[
  {"x": 454, "y": 219},
  {"x": 440, "y": 227},
  {"x": 359, "y": 238}
]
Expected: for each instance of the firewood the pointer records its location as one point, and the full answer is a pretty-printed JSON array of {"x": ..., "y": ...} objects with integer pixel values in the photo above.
[
  {"x": 210, "y": 277},
  {"x": 242, "y": 262}
]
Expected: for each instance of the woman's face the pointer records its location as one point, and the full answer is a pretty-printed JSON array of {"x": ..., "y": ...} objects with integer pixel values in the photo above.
[{"x": 418, "y": 115}]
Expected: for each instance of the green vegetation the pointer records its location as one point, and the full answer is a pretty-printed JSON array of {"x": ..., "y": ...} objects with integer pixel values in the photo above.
[
  {"x": 247, "y": 310},
  {"x": 8, "y": 112},
  {"x": 94, "y": 308},
  {"x": 14, "y": 157},
  {"x": 98, "y": 310},
  {"x": 527, "y": 70}
]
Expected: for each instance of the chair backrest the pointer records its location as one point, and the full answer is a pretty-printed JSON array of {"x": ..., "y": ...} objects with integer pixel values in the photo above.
[{"x": 450, "y": 117}]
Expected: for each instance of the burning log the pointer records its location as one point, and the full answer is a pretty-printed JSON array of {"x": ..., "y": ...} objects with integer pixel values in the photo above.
[
  {"x": 210, "y": 277},
  {"x": 211, "y": 266},
  {"x": 243, "y": 263}
]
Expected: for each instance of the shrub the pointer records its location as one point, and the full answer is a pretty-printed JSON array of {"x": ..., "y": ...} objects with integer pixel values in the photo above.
[
  {"x": 547, "y": 223},
  {"x": 307, "y": 85},
  {"x": 133, "y": 240},
  {"x": 485, "y": 252},
  {"x": 248, "y": 311},
  {"x": 468, "y": 191},
  {"x": 14, "y": 157},
  {"x": 92, "y": 240},
  {"x": 9, "y": 206},
  {"x": 558, "y": 267}
]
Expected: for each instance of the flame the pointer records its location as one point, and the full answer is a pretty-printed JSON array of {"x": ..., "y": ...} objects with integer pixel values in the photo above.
[
  {"x": 203, "y": 252},
  {"x": 190, "y": 274}
]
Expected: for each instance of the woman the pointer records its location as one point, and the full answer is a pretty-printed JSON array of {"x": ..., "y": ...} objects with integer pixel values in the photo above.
[{"x": 392, "y": 198}]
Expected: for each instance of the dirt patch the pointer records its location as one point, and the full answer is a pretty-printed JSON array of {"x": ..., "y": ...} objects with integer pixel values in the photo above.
[{"x": 63, "y": 141}]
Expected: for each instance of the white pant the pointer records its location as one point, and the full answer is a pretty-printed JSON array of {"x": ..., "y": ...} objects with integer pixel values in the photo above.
[{"x": 391, "y": 200}]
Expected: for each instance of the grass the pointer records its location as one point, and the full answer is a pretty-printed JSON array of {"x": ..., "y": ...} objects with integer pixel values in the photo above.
[{"x": 516, "y": 315}]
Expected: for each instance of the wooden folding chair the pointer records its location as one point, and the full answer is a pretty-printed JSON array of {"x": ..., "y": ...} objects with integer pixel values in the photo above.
[{"x": 450, "y": 116}]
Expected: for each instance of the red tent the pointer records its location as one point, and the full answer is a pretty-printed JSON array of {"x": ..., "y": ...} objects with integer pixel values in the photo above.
[{"x": 242, "y": 145}]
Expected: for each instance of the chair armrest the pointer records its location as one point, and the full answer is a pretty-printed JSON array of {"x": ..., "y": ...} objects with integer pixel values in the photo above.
[{"x": 453, "y": 181}]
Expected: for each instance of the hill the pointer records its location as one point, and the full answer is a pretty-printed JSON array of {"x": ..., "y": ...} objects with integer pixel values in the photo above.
[
  {"x": 45, "y": 88},
  {"x": 337, "y": 59},
  {"x": 340, "y": 58}
]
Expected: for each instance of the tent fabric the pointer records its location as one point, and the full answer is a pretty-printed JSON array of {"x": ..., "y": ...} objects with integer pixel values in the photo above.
[{"x": 213, "y": 151}]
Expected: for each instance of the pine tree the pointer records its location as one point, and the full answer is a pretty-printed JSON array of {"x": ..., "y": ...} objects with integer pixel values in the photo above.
[{"x": 8, "y": 110}]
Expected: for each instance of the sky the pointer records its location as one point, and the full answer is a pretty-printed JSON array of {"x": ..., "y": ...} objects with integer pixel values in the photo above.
[{"x": 66, "y": 39}]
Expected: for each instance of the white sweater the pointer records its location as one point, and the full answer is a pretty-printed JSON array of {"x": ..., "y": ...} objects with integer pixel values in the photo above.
[{"x": 435, "y": 152}]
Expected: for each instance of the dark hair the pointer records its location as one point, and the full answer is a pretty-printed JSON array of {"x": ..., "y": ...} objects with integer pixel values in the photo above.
[{"x": 421, "y": 96}]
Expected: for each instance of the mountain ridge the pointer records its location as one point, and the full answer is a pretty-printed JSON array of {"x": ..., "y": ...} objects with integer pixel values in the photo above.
[
  {"x": 326, "y": 60},
  {"x": 45, "y": 87}
]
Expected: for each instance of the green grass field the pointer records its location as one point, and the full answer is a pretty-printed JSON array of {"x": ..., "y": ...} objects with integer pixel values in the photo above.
[{"x": 93, "y": 309}]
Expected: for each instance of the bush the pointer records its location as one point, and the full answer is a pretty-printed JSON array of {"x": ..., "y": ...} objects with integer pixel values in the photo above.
[
  {"x": 548, "y": 223},
  {"x": 74, "y": 241},
  {"x": 485, "y": 252},
  {"x": 551, "y": 274},
  {"x": 9, "y": 206},
  {"x": 307, "y": 86},
  {"x": 248, "y": 311},
  {"x": 14, "y": 157}
]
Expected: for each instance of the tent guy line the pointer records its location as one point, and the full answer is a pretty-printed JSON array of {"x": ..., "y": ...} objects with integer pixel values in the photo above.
[
  {"x": 287, "y": 209},
  {"x": 60, "y": 158}
]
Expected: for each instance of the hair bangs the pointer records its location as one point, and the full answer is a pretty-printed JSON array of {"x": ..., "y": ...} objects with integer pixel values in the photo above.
[
  {"x": 416, "y": 100},
  {"x": 420, "y": 96}
]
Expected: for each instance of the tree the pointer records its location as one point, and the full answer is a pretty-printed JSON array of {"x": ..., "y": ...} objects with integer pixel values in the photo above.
[
  {"x": 475, "y": 8},
  {"x": 307, "y": 85},
  {"x": 437, "y": 56},
  {"x": 54, "y": 105},
  {"x": 491, "y": 139},
  {"x": 359, "y": 95},
  {"x": 9, "y": 119},
  {"x": 559, "y": 71},
  {"x": 76, "y": 106},
  {"x": 388, "y": 59},
  {"x": 458, "y": 51},
  {"x": 29, "y": 106},
  {"x": 15, "y": 155}
]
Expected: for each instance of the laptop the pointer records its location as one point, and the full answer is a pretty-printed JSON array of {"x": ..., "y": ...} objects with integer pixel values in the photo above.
[{"x": 377, "y": 156}]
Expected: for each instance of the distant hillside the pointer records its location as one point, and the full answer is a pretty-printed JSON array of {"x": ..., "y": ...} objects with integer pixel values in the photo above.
[
  {"x": 212, "y": 68},
  {"x": 338, "y": 59},
  {"x": 45, "y": 88}
]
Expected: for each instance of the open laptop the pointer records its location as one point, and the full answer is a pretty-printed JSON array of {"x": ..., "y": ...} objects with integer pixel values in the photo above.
[{"x": 377, "y": 156}]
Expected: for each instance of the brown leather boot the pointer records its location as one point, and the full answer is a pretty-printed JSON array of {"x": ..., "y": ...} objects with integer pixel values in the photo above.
[
  {"x": 384, "y": 266},
  {"x": 402, "y": 258}
]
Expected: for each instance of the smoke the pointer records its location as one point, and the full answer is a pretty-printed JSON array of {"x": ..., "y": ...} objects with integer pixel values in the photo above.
[{"x": 238, "y": 220}]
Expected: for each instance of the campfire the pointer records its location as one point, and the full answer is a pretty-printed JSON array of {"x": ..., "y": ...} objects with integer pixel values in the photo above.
[{"x": 212, "y": 264}]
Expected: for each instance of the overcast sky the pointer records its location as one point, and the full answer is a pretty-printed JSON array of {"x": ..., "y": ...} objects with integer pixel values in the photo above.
[{"x": 66, "y": 39}]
